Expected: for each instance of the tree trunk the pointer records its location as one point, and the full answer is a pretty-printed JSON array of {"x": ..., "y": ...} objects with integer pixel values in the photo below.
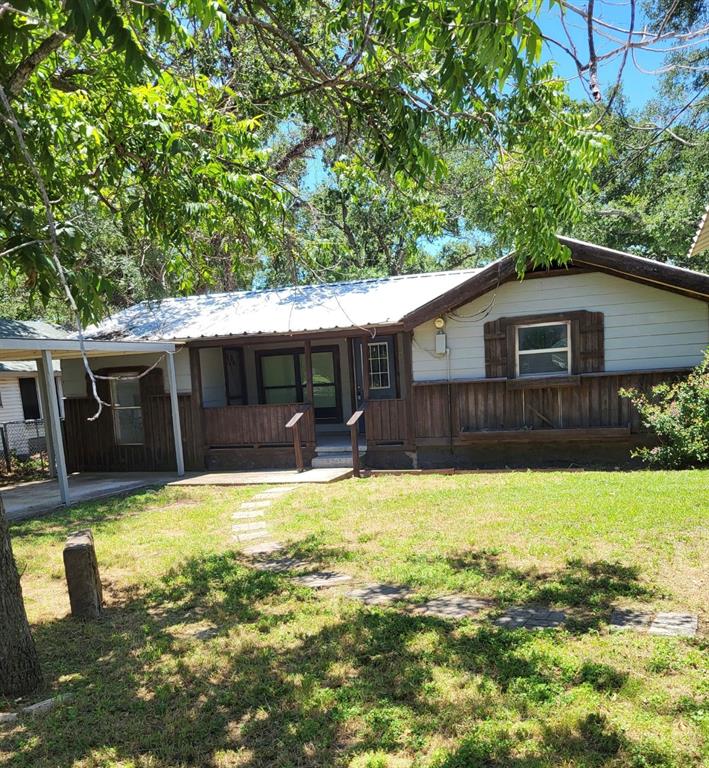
[{"x": 20, "y": 672}]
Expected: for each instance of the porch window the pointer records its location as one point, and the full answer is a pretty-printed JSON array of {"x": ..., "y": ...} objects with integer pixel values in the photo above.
[
  {"x": 543, "y": 349},
  {"x": 280, "y": 379},
  {"x": 379, "y": 376},
  {"x": 235, "y": 376},
  {"x": 127, "y": 411}
]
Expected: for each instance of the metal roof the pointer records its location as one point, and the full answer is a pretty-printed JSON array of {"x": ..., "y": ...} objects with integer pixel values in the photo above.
[
  {"x": 327, "y": 307},
  {"x": 24, "y": 366},
  {"x": 30, "y": 329},
  {"x": 26, "y": 340}
]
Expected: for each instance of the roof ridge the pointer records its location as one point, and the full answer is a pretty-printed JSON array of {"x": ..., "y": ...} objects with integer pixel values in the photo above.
[
  {"x": 627, "y": 254},
  {"x": 258, "y": 291}
]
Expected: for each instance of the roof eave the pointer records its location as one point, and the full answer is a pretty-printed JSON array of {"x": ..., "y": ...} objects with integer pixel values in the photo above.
[{"x": 626, "y": 265}]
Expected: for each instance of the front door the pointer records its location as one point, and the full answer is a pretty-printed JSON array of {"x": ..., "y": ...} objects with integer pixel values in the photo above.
[
  {"x": 382, "y": 369},
  {"x": 282, "y": 380}
]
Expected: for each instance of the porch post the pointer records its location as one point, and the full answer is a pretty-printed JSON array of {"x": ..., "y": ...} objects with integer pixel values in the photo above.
[
  {"x": 175, "y": 408},
  {"x": 308, "y": 355},
  {"x": 365, "y": 368},
  {"x": 46, "y": 372},
  {"x": 198, "y": 442}
]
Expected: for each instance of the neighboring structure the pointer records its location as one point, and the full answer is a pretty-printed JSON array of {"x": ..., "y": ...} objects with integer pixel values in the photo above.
[
  {"x": 21, "y": 407},
  {"x": 701, "y": 239},
  {"x": 468, "y": 368}
]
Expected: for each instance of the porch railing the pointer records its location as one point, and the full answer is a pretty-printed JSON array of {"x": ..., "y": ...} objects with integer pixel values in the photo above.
[
  {"x": 255, "y": 425},
  {"x": 294, "y": 424},
  {"x": 353, "y": 424}
]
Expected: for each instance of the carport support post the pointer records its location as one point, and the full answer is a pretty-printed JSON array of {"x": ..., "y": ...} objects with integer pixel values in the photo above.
[
  {"x": 47, "y": 373},
  {"x": 175, "y": 408},
  {"x": 44, "y": 400}
]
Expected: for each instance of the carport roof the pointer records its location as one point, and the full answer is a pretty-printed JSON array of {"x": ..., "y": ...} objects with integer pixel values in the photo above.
[{"x": 27, "y": 339}]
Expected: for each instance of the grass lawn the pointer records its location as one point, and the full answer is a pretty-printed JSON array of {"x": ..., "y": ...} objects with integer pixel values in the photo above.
[{"x": 290, "y": 677}]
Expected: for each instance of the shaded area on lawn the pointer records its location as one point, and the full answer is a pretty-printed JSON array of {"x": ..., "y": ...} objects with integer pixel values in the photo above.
[
  {"x": 293, "y": 678},
  {"x": 588, "y": 589}
]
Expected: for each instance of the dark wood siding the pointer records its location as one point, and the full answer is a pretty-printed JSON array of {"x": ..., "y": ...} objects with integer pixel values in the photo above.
[
  {"x": 240, "y": 425},
  {"x": 90, "y": 446},
  {"x": 587, "y": 401},
  {"x": 385, "y": 421}
]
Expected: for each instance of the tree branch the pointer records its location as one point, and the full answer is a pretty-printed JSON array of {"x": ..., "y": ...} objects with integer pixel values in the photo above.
[{"x": 18, "y": 79}]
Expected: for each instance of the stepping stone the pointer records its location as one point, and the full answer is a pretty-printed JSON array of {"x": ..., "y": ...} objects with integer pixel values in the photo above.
[
  {"x": 206, "y": 634},
  {"x": 321, "y": 579},
  {"x": 263, "y": 548},
  {"x": 453, "y": 606},
  {"x": 249, "y": 513},
  {"x": 248, "y": 526},
  {"x": 280, "y": 564},
  {"x": 193, "y": 631},
  {"x": 674, "y": 625},
  {"x": 251, "y": 535},
  {"x": 276, "y": 490},
  {"x": 623, "y": 619},
  {"x": 380, "y": 594},
  {"x": 530, "y": 618},
  {"x": 265, "y": 504}
]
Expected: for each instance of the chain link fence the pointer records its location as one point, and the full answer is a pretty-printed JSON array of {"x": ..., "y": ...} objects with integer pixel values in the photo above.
[{"x": 23, "y": 447}]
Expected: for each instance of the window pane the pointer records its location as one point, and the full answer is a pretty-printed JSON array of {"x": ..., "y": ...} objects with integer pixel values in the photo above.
[
  {"x": 278, "y": 370},
  {"x": 379, "y": 365},
  {"x": 543, "y": 336},
  {"x": 129, "y": 426},
  {"x": 234, "y": 376},
  {"x": 324, "y": 396},
  {"x": 126, "y": 392},
  {"x": 281, "y": 395},
  {"x": 323, "y": 368},
  {"x": 544, "y": 362}
]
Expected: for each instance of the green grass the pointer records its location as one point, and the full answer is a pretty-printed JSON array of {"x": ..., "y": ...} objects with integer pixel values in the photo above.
[{"x": 294, "y": 678}]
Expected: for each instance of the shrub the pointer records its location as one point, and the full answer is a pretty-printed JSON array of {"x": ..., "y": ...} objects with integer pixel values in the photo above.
[{"x": 679, "y": 415}]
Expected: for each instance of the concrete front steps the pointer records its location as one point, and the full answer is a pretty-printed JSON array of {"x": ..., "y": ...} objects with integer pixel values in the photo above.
[{"x": 335, "y": 451}]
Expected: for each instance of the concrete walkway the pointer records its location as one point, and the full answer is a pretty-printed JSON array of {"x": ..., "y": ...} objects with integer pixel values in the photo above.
[
  {"x": 264, "y": 477},
  {"x": 42, "y": 496}
]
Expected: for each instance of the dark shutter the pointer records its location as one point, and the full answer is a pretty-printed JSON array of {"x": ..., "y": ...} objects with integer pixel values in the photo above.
[
  {"x": 591, "y": 342},
  {"x": 495, "y": 349}
]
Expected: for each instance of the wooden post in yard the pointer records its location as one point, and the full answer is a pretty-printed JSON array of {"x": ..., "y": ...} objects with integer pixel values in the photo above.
[{"x": 298, "y": 447}]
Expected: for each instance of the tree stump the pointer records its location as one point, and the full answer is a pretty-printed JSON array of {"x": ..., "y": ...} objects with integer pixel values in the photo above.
[{"x": 82, "y": 577}]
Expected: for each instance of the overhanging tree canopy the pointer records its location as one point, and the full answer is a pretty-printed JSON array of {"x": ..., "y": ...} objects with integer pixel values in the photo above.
[{"x": 182, "y": 122}]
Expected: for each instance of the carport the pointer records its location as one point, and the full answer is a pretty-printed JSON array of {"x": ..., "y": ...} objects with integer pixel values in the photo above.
[{"x": 43, "y": 343}]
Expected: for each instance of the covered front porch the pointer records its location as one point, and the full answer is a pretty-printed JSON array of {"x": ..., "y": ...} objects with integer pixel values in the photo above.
[{"x": 303, "y": 400}]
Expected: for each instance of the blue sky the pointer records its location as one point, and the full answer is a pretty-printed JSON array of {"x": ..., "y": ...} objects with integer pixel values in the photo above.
[{"x": 638, "y": 86}]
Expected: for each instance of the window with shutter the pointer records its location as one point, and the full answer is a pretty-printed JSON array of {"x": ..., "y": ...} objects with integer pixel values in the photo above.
[{"x": 515, "y": 346}]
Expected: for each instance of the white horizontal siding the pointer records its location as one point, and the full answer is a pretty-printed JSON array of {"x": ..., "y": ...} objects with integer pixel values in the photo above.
[
  {"x": 645, "y": 327},
  {"x": 11, "y": 409},
  {"x": 74, "y": 374}
]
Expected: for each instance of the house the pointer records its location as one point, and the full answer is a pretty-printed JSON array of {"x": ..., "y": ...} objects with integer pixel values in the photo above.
[
  {"x": 700, "y": 242},
  {"x": 465, "y": 368},
  {"x": 21, "y": 412}
]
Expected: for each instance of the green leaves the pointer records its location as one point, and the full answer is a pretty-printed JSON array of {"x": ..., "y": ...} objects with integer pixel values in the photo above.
[{"x": 186, "y": 130}]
